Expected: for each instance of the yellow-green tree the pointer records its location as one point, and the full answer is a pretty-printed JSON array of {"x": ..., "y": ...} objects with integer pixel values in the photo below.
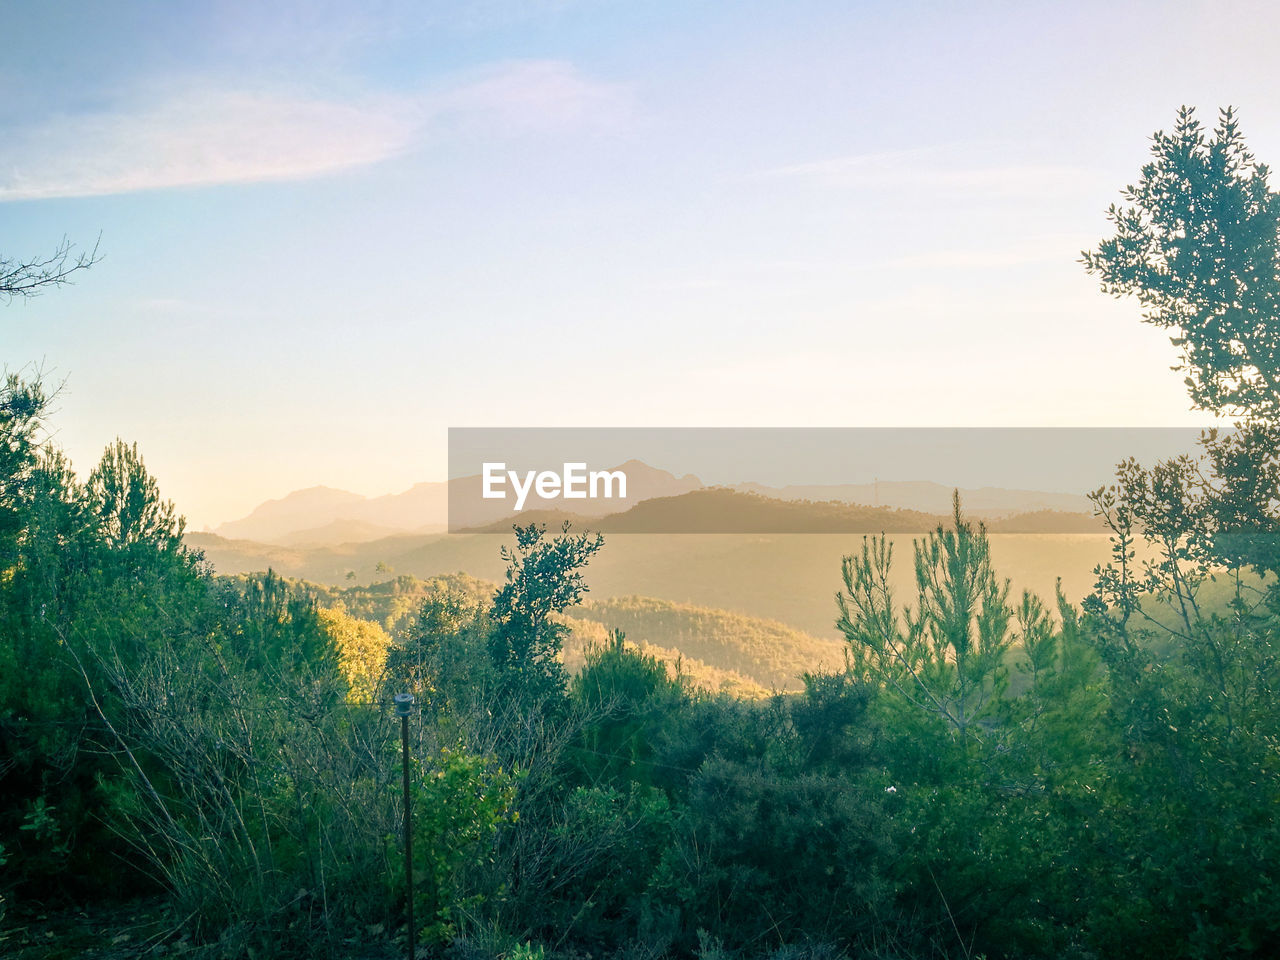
[{"x": 361, "y": 647}]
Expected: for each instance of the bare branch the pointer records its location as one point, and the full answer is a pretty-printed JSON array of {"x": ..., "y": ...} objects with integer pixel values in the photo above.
[{"x": 30, "y": 278}]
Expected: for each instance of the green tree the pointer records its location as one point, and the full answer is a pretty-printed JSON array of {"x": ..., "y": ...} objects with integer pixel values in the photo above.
[
  {"x": 22, "y": 409},
  {"x": 95, "y": 577},
  {"x": 544, "y": 577},
  {"x": 1187, "y": 613},
  {"x": 1189, "y": 636},
  {"x": 460, "y": 804},
  {"x": 1198, "y": 244},
  {"x": 442, "y": 657},
  {"x": 945, "y": 656},
  {"x": 986, "y": 785},
  {"x": 627, "y": 698},
  {"x": 780, "y": 832},
  {"x": 127, "y": 503}
]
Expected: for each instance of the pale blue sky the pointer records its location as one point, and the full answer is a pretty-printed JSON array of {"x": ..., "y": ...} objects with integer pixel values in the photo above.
[{"x": 333, "y": 230}]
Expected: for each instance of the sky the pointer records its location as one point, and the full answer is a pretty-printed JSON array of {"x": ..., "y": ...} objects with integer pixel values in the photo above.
[{"x": 331, "y": 231}]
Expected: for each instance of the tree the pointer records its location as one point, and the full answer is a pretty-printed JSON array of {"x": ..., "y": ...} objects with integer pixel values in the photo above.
[
  {"x": 947, "y": 659},
  {"x": 127, "y": 502},
  {"x": 31, "y": 277},
  {"x": 22, "y": 409},
  {"x": 544, "y": 578},
  {"x": 442, "y": 657},
  {"x": 1199, "y": 246},
  {"x": 1185, "y": 615},
  {"x": 628, "y": 697},
  {"x": 974, "y": 769},
  {"x": 361, "y": 648},
  {"x": 460, "y": 806},
  {"x": 1189, "y": 637}
]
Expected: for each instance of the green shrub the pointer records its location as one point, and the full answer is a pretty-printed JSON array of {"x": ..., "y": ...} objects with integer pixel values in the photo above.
[{"x": 460, "y": 803}]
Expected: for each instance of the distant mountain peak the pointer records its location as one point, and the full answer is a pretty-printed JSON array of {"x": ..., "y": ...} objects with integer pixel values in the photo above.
[
  {"x": 636, "y": 469},
  {"x": 309, "y": 512},
  {"x": 318, "y": 492}
]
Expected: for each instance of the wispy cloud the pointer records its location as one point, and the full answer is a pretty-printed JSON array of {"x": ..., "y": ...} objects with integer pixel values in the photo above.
[
  {"x": 199, "y": 138},
  {"x": 931, "y": 169},
  {"x": 213, "y": 134}
]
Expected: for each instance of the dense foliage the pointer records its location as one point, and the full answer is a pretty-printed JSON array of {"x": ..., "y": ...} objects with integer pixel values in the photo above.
[{"x": 1199, "y": 245}]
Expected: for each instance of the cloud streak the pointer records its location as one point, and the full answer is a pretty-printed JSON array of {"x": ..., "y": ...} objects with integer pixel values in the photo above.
[
  {"x": 210, "y": 134},
  {"x": 198, "y": 139}
]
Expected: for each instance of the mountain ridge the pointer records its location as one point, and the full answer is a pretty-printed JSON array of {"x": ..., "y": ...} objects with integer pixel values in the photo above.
[{"x": 329, "y": 516}]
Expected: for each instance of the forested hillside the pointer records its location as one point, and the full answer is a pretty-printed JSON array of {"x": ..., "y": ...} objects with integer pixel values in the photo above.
[
  {"x": 772, "y": 654},
  {"x": 789, "y": 578},
  {"x": 713, "y": 649}
]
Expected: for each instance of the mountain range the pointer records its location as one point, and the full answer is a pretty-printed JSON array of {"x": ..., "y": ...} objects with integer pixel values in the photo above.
[
  {"x": 321, "y": 516},
  {"x": 327, "y": 515}
]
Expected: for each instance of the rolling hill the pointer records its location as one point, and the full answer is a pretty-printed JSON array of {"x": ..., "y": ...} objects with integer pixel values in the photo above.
[
  {"x": 928, "y": 497},
  {"x": 770, "y": 653},
  {"x": 724, "y": 510},
  {"x": 717, "y": 649},
  {"x": 789, "y": 578}
]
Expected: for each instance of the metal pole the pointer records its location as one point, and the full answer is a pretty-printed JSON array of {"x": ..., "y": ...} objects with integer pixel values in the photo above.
[{"x": 403, "y": 702}]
